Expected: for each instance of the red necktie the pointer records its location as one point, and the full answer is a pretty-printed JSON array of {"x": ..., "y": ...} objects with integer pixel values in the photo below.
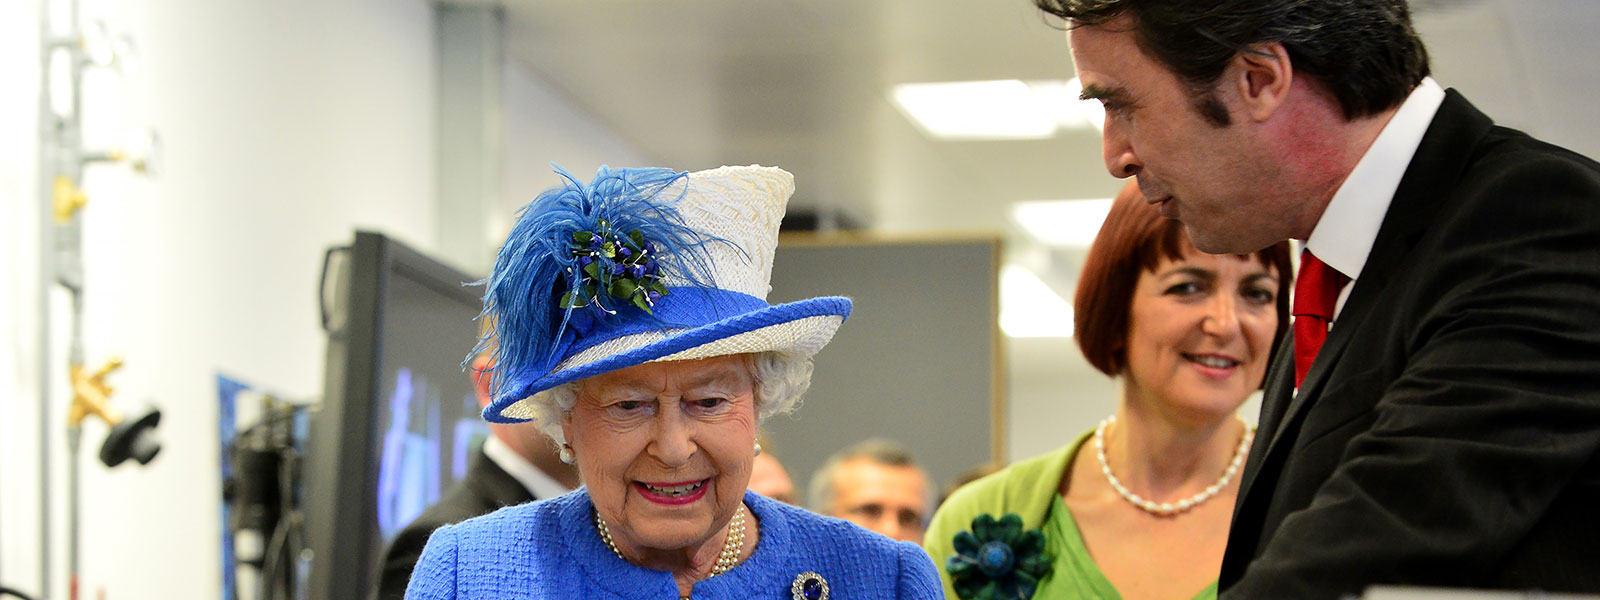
[{"x": 1316, "y": 291}]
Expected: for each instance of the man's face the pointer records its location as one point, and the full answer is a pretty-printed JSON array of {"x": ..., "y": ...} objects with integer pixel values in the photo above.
[
  {"x": 890, "y": 500},
  {"x": 1213, "y": 178}
]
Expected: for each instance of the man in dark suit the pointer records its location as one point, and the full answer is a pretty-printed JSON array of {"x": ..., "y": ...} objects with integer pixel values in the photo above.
[
  {"x": 516, "y": 464},
  {"x": 1446, "y": 430}
]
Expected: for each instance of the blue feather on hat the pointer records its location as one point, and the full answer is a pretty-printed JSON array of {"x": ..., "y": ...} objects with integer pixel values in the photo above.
[{"x": 527, "y": 296}]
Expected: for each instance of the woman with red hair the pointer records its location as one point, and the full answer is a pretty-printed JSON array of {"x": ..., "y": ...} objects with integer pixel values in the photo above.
[{"x": 1139, "y": 506}]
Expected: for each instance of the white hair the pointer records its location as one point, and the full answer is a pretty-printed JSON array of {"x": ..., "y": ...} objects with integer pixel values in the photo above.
[{"x": 780, "y": 379}]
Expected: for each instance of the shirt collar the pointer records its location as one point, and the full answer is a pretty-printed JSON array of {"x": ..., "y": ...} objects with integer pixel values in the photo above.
[
  {"x": 1349, "y": 225},
  {"x": 539, "y": 484}
]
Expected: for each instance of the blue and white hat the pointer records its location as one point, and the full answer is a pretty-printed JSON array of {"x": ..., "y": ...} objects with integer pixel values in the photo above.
[{"x": 642, "y": 265}]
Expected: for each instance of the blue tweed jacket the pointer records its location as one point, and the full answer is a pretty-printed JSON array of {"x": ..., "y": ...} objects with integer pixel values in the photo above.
[{"x": 550, "y": 549}]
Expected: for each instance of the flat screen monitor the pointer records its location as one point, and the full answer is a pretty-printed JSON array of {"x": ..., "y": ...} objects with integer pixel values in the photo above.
[{"x": 399, "y": 419}]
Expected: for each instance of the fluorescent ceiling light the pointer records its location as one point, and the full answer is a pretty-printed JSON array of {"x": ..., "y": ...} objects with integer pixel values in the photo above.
[
  {"x": 1029, "y": 308},
  {"x": 1071, "y": 112},
  {"x": 1062, "y": 222},
  {"x": 997, "y": 110},
  {"x": 1003, "y": 109}
]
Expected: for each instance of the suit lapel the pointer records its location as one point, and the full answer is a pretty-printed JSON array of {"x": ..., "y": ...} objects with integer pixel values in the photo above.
[
  {"x": 1274, "y": 398},
  {"x": 1280, "y": 379}
]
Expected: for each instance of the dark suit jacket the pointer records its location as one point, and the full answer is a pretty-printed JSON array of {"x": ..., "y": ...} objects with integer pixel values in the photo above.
[
  {"x": 485, "y": 489},
  {"x": 1448, "y": 432}
]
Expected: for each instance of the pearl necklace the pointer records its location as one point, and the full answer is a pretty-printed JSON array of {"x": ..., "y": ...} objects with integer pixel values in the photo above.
[
  {"x": 725, "y": 561},
  {"x": 1167, "y": 509}
]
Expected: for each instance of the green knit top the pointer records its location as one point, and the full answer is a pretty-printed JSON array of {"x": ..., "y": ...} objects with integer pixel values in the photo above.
[{"x": 1029, "y": 489}]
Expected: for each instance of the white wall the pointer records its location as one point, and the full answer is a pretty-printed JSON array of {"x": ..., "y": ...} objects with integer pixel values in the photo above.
[
  {"x": 285, "y": 124},
  {"x": 1528, "y": 65},
  {"x": 1053, "y": 395},
  {"x": 541, "y": 127},
  {"x": 19, "y": 477}
]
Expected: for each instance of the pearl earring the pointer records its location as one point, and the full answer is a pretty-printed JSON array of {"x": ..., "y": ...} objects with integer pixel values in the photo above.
[
  {"x": 566, "y": 453},
  {"x": 758, "y": 448}
]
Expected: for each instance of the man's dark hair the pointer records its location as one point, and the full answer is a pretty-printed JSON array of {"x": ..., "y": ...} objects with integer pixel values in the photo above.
[{"x": 1364, "y": 51}]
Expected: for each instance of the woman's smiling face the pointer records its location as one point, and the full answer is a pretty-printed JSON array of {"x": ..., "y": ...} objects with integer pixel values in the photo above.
[
  {"x": 666, "y": 448},
  {"x": 1200, "y": 332}
]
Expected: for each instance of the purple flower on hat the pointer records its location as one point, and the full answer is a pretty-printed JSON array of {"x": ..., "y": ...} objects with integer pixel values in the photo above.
[{"x": 614, "y": 272}]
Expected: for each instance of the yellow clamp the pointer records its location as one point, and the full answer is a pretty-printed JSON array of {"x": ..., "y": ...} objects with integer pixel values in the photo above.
[
  {"x": 91, "y": 394},
  {"x": 67, "y": 198}
]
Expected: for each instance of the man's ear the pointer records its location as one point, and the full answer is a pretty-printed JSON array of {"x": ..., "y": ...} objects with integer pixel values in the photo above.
[
  {"x": 1262, "y": 76},
  {"x": 482, "y": 379}
]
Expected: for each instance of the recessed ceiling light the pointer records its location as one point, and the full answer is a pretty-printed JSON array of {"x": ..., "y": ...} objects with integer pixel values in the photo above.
[
  {"x": 1062, "y": 222},
  {"x": 1001, "y": 109},
  {"x": 1006, "y": 109}
]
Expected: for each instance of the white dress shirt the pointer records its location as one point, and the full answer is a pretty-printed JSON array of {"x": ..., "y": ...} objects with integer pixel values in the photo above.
[{"x": 1349, "y": 225}]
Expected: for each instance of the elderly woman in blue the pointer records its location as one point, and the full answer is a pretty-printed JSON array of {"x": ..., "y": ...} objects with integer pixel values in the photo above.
[{"x": 630, "y": 321}]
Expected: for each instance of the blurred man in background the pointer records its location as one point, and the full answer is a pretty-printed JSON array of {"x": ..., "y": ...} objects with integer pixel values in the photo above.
[{"x": 875, "y": 484}]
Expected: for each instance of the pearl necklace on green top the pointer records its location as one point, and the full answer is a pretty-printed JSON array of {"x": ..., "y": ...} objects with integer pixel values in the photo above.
[{"x": 1167, "y": 509}]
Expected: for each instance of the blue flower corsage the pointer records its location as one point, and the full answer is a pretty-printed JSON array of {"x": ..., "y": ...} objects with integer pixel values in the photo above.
[{"x": 997, "y": 560}]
